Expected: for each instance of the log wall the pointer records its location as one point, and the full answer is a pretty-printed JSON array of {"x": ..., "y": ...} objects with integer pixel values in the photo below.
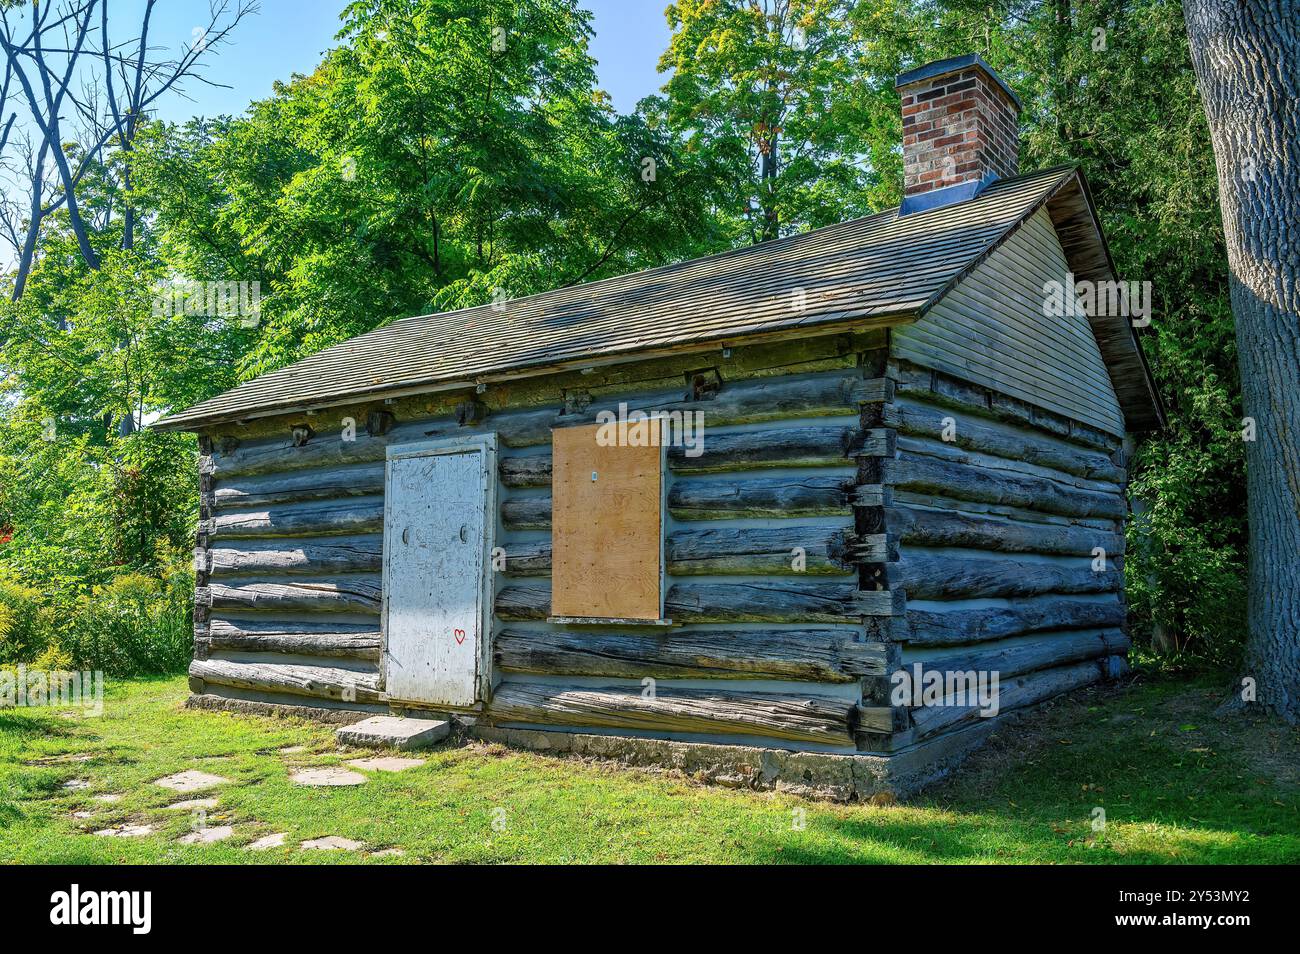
[
  {"x": 850, "y": 514},
  {"x": 1009, "y": 521},
  {"x": 769, "y": 642}
]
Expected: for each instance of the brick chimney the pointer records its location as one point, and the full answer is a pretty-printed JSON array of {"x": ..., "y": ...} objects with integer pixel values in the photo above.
[{"x": 959, "y": 131}]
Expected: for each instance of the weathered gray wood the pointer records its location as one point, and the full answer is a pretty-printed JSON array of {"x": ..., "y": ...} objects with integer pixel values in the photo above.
[
  {"x": 936, "y": 627},
  {"x": 788, "y": 550},
  {"x": 527, "y": 558},
  {"x": 531, "y": 471},
  {"x": 364, "y": 515},
  {"x": 323, "y": 556},
  {"x": 813, "y": 719},
  {"x": 1046, "y": 650},
  {"x": 1005, "y": 440},
  {"x": 715, "y": 499},
  {"x": 342, "y": 646},
  {"x": 1015, "y": 693},
  {"x": 739, "y": 402},
  {"x": 812, "y": 655},
  {"x": 809, "y": 445},
  {"x": 952, "y": 528},
  {"x": 322, "y": 682},
  {"x": 298, "y": 637},
  {"x": 941, "y": 388},
  {"x": 760, "y": 551},
  {"x": 946, "y": 576},
  {"x": 964, "y": 482},
  {"x": 526, "y": 513},
  {"x": 769, "y": 601},
  {"x": 356, "y": 594},
  {"x": 272, "y": 489}
]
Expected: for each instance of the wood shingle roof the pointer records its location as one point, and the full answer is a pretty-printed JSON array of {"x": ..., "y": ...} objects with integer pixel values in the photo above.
[{"x": 879, "y": 270}]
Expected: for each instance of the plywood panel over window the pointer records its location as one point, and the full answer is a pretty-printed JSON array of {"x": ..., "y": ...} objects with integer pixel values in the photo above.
[{"x": 606, "y": 522}]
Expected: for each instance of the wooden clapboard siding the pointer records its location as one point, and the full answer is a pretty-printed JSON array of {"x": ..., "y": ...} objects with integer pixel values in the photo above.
[{"x": 991, "y": 330}]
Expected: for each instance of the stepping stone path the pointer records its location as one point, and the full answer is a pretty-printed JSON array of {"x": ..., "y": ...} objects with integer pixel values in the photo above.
[
  {"x": 386, "y": 764},
  {"x": 389, "y": 853},
  {"x": 331, "y": 842},
  {"x": 126, "y": 831},
  {"x": 293, "y": 750},
  {"x": 331, "y": 775},
  {"x": 192, "y": 804},
  {"x": 268, "y": 841},
  {"x": 83, "y": 814},
  {"x": 75, "y": 784},
  {"x": 207, "y": 835},
  {"x": 108, "y": 798},
  {"x": 191, "y": 781}
]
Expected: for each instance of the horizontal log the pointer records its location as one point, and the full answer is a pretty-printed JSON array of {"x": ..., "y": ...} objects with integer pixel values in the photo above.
[
  {"x": 768, "y": 601},
  {"x": 715, "y": 499},
  {"x": 802, "y": 718},
  {"x": 952, "y": 528},
  {"x": 310, "y": 555},
  {"x": 1043, "y": 652},
  {"x": 811, "y": 655},
  {"x": 809, "y": 445},
  {"x": 937, "y": 627},
  {"x": 329, "y": 483},
  {"x": 531, "y": 471},
  {"x": 526, "y": 513},
  {"x": 363, "y": 515},
  {"x": 927, "y": 385},
  {"x": 947, "y": 576},
  {"x": 1015, "y": 693},
  {"x": 1004, "y": 440},
  {"x": 321, "y": 682},
  {"x": 358, "y": 594},
  {"x": 305, "y": 638},
  {"x": 739, "y": 402},
  {"x": 762, "y": 551},
  {"x": 966, "y": 482}
]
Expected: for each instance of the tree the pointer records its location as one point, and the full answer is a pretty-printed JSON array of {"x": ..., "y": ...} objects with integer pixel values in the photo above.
[
  {"x": 446, "y": 152},
  {"x": 1247, "y": 59},
  {"x": 772, "y": 91}
]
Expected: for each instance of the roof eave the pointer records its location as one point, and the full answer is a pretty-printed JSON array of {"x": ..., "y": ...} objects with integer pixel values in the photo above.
[{"x": 837, "y": 324}]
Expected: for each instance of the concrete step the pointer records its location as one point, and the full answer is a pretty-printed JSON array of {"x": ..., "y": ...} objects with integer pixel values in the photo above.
[{"x": 394, "y": 732}]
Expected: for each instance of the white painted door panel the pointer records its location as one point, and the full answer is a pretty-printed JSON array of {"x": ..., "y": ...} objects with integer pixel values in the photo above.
[{"x": 435, "y": 514}]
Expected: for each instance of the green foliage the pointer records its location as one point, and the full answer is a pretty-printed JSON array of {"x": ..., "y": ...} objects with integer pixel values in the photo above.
[
  {"x": 773, "y": 93},
  {"x": 134, "y": 624}
]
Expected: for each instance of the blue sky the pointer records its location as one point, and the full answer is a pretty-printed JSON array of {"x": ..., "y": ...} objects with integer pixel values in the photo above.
[{"x": 289, "y": 36}]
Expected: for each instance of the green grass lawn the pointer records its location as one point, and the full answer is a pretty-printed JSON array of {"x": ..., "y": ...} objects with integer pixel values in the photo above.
[{"x": 1178, "y": 783}]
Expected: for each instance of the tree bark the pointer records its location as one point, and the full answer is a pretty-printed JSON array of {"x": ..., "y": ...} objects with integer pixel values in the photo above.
[{"x": 1247, "y": 59}]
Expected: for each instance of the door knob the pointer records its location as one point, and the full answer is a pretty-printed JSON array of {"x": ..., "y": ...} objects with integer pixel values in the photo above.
[
  {"x": 406, "y": 535},
  {"x": 464, "y": 533}
]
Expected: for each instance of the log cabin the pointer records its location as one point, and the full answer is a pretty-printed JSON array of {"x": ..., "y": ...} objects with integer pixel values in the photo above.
[{"x": 770, "y": 517}]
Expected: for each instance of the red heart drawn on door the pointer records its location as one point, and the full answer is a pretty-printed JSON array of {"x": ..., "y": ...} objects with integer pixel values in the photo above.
[{"x": 460, "y": 636}]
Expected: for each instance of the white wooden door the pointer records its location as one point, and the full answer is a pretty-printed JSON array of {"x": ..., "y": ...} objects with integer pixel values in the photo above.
[{"x": 436, "y": 536}]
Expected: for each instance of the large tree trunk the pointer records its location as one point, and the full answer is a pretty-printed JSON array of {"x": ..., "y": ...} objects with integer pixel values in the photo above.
[{"x": 1247, "y": 58}]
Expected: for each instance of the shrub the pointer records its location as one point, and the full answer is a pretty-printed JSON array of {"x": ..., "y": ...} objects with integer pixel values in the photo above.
[
  {"x": 133, "y": 625},
  {"x": 27, "y": 627}
]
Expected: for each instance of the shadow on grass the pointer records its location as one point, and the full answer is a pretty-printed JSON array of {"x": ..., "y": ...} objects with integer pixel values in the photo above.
[{"x": 30, "y": 724}]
